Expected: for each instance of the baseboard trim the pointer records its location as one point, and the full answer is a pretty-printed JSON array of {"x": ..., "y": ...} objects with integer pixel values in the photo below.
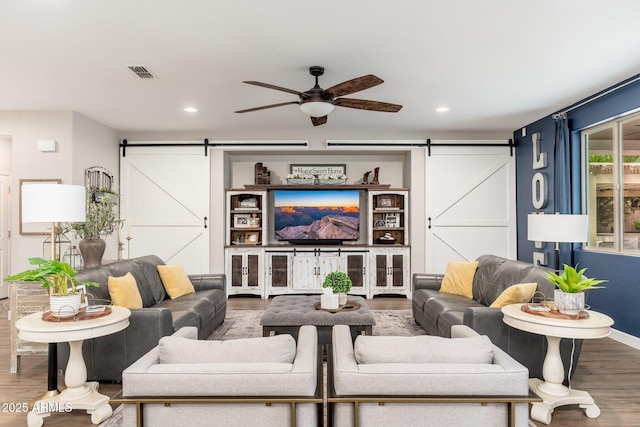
[{"x": 625, "y": 338}]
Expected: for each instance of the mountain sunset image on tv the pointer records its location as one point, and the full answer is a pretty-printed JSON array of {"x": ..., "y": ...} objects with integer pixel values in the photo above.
[{"x": 305, "y": 216}]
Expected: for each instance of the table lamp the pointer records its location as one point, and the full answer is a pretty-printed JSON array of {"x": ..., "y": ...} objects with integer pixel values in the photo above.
[
  {"x": 53, "y": 203},
  {"x": 558, "y": 228}
]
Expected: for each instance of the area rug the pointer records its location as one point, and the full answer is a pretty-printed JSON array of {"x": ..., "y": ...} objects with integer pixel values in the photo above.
[{"x": 246, "y": 324}]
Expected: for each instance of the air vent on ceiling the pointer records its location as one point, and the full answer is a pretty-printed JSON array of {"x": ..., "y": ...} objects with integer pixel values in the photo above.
[{"x": 141, "y": 71}]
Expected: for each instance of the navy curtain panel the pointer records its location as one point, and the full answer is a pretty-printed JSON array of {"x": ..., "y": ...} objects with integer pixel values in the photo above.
[{"x": 562, "y": 180}]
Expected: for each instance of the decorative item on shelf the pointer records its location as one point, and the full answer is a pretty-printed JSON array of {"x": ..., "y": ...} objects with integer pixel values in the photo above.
[
  {"x": 59, "y": 277},
  {"x": 569, "y": 297},
  {"x": 332, "y": 179},
  {"x": 241, "y": 221},
  {"x": 340, "y": 283},
  {"x": 386, "y": 239},
  {"x": 248, "y": 203},
  {"x": 262, "y": 175},
  {"x": 365, "y": 177},
  {"x": 102, "y": 219},
  {"x": 376, "y": 172},
  {"x": 254, "y": 221},
  {"x": 300, "y": 179}
]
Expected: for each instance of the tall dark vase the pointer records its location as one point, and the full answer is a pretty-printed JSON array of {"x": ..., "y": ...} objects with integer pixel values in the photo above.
[{"x": 92, "y": 250}]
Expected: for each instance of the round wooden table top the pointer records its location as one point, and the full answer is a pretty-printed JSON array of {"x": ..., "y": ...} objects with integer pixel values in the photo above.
[{"x": 597, "y": 325}]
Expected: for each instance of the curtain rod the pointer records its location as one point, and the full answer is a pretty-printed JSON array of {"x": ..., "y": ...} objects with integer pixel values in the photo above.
[{"x": 563, "y": 113}]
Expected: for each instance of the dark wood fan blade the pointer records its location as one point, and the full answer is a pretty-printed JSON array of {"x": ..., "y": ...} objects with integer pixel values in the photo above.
[
  {"x": 270, "y": 86},
  {"x": 363, "y": 104},
  {"x": 354, "y": 85},
  {"x": 264, "y": 107},
  {"x": 317, "y": 121}
]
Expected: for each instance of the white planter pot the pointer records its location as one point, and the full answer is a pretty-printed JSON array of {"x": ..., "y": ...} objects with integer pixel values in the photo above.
[
  {"x": 568, "y": 303},
  {"x": 329, "y": 301},
  {"x": 65, "y": 306},
  {"x": 342, "y": 298}
]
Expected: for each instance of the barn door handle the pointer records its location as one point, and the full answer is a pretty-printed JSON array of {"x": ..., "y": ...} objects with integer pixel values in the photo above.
[
  {"x": 205, "y": 222},
  {"x": 429, "y": 223}
]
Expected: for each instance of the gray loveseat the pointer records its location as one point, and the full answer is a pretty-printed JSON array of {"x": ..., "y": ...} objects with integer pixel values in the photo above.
[
  {"x": 436, "y": 312},
  {"x": 106, "y": 357}
]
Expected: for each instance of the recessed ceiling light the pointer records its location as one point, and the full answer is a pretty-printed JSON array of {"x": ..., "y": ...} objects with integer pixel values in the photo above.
[
  {"x": 191, "y": 110},
  {"x": 442, "y": 109}
]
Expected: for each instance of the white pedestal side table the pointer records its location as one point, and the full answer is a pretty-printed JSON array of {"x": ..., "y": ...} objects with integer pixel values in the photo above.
[
  {"x": 551, "y": 390},
  {"x": 78, "y": 394}
]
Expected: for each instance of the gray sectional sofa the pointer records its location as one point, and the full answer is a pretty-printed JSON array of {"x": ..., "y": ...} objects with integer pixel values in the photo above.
[
  {"x": 106, "y": 357},
  {"x": 437, "y": 312}
]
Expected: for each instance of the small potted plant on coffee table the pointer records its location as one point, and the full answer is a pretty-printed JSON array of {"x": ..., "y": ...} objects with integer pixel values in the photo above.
[
  {"x": 59, "y": 277},
  {"x": 340, "y": 283},
  {"x": 569, "y": 297}
]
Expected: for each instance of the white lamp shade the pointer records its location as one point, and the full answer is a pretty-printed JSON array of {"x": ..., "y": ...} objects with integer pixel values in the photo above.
[
  {"x": 53, "y": 203},
  {"x": 316, "y": 109},
  {"x": 557, "y": 228}
]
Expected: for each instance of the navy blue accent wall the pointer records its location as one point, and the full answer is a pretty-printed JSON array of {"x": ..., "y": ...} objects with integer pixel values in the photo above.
[{"x": 621, "y": 298}]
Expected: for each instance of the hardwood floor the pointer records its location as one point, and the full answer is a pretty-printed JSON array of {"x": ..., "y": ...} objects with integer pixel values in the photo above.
[{"x": 608, "y": 370}]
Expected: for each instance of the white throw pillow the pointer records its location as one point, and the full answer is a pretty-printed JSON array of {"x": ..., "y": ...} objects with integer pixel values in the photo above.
[
  {"x": 276, "y": 349},
  {"x": 423, "y": 349}
]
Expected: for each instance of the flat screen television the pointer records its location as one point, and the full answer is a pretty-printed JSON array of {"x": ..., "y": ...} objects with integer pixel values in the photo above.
[{"x": 323, "y": 217}]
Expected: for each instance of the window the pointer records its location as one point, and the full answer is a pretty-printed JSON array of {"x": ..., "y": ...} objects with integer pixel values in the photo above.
[{"x": 612, "y": 184}]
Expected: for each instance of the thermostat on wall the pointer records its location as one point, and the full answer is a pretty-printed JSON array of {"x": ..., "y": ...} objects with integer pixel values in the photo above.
[{"x": 46, "y": 145}]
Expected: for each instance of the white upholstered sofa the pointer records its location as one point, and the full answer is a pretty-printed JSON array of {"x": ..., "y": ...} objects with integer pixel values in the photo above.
[
  {"x": 460, "y": 381},
  {"x": 244, "y": 382}
]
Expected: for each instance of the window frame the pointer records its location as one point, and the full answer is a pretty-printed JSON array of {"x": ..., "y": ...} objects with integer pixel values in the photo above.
[{"x": 618, "y": 151}]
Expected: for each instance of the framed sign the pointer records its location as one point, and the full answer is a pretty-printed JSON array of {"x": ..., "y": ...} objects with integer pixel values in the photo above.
[
  {"x": 34, "y": 228},
  {"x": 339, "y": 169}
]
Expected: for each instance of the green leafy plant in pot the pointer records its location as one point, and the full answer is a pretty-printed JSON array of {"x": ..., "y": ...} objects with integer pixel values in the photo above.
[
  {"x": 569, "y": 296},
  {"x": 340, "y": 283},
  {"x": 59, "y": 278}
]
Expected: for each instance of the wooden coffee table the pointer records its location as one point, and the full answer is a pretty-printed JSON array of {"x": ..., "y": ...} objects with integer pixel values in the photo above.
[{"x": 287, "y": 313}]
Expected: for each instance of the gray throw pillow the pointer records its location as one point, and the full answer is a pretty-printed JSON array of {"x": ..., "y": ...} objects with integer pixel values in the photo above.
[
  {"x": 276, "y": 349},
  {"x": 423, "y": 349}
]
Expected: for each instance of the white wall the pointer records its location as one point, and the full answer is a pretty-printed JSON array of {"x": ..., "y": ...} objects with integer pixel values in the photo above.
[
  {"x": 96, "y": 145},
  {"x": 5, "y": 154},
  {"x": 25, "y": 128}
]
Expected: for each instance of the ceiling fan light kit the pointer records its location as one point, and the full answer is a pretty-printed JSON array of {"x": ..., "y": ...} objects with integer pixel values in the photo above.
[
  {"x": 318, "y": 103},
  {"x": 316, "y": 108}
]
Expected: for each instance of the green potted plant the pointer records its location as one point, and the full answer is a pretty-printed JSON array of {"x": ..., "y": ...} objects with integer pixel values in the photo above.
[
  {"x": 102, "y": 219},
  {"x": 569, "y": 297},
  {"x": 340, "y": 283},
  {"x": 59, "y": 277}
]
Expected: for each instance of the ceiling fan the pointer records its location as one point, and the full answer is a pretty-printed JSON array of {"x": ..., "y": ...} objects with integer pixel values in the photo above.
[{"x": 317, "y": 102}]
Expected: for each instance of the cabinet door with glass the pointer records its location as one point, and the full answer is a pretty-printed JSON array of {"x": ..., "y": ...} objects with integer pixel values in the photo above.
[
  {"x": 390, "y": 271},
  {"x": 355, "y": 264},
  {"x": 245, "y": 273},
  {"x": 278, "y": 274}
]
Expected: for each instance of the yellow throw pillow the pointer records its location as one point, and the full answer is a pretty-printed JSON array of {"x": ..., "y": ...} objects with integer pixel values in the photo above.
[
  {"x": 124, "y": 291},
  {"x": 175, "y": 280},
  {"x": 515, "y": 294},
  {"x": 458, "y": 279}
]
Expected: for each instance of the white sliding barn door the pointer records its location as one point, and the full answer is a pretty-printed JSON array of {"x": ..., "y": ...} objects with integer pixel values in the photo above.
[
  {"x": 470, "y": 204},
  {"x": 165, "y": 203}
]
